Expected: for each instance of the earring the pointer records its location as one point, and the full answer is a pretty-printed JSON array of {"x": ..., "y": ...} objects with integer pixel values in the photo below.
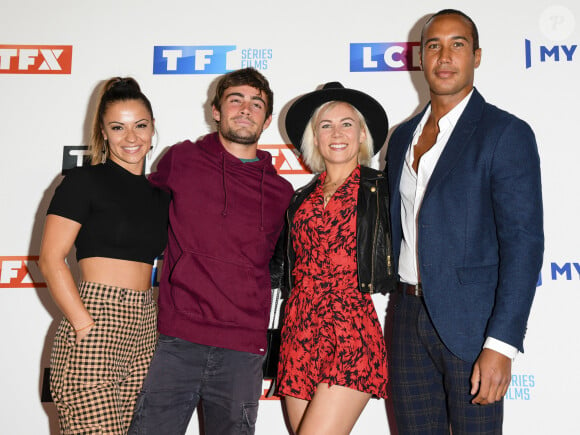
[
  {"x": 104, "y": 151},
  {"x": 153, "y": 145}
]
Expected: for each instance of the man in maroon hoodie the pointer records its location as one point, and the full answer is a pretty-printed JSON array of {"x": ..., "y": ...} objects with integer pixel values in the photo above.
[{"x": 226, "y": 214}]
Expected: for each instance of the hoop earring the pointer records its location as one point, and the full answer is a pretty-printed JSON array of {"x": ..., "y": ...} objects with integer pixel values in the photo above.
[
  {"x": 153, "y": 144},
  {"x": 105, "y": 148}
]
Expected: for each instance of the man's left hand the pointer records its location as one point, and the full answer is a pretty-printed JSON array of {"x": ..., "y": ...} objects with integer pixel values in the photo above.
[{"x": 491, "y": 377}]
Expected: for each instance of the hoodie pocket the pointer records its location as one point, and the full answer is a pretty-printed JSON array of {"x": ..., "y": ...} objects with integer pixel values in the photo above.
[{"x": 217, "y": 290}]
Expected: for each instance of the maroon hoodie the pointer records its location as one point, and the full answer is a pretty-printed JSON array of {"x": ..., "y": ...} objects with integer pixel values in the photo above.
[{"x": 225, "y": 217}]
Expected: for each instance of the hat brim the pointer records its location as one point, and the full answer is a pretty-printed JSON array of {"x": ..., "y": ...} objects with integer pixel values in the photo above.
[{"x": 302, "y": 109}]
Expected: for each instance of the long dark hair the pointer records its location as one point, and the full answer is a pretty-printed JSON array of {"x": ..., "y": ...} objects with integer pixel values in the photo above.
[{"x": 112, "y": 91}]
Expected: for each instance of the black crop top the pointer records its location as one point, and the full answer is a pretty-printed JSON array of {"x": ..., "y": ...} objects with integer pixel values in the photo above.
[{"x": 121, "y": 214}]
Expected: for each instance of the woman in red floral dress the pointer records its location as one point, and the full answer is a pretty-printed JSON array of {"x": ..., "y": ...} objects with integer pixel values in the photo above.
[{"x": 333, "y": 357}]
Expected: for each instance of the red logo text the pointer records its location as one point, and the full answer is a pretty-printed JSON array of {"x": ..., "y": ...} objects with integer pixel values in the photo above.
[
  {"x": 285, "y": 159},
  {"x": 20, "y": 272},
  {"x": 35, "y": 59}
]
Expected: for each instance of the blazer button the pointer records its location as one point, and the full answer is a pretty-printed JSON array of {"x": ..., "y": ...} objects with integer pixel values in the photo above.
[{"x": 373, "y": 189}]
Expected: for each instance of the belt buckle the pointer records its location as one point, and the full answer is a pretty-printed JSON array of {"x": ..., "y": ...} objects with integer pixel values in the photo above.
[{"x": 417, "y": 290}]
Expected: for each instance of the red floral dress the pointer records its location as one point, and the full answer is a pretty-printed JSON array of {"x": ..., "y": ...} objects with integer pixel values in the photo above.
[{"x": 331, "y": 331}]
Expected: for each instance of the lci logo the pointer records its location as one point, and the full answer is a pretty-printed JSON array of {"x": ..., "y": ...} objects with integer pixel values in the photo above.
[
  {"x": 521, "y": 387},
  {"x": 384, "y": 56},
  {"x": 35, "y": 59},
  {"x": 543, "y": 53},
  {"x": 207, "y": 59}
]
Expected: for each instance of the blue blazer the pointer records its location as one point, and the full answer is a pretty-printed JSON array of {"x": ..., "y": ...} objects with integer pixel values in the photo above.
[{"x": 479, "y": 229}]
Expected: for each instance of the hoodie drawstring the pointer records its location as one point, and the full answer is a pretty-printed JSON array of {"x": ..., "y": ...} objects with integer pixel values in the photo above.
[
  {"x": 224, "y": 185},
  {"x": 262, "y": 198}
]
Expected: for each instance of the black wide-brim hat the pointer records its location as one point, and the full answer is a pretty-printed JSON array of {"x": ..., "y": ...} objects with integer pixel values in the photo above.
[{"x": 302, "y": 109}]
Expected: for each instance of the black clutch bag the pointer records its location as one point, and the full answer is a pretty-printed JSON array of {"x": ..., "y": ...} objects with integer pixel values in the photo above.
[{"x": 270, "y": 366}]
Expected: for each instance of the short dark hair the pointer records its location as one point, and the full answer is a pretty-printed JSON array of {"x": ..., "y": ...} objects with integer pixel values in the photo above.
[
  {"x": 474, "y": 32},
  {"x": 241, "y": 77},
  {"x": 113, "y": 90}
]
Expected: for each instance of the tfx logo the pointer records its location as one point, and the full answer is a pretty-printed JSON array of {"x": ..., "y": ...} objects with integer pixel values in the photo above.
[
  {"x": 35, "y": 59},
  {"x": 285, "y": 159},
  {"x": 384, "y": 56},
  {"x": 20, "y": 272},
  {"x": 542, "y": 53},
  {"x": 202, "y": 59},
  {"x": 24, "y": 272}
]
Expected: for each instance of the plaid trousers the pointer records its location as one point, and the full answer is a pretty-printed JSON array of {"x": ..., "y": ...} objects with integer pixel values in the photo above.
[
  {"x": 95, "y": 383},
  {"x": 430, "y": 385}
]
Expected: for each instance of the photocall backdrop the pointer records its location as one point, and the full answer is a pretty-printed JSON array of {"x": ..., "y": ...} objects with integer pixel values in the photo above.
[{"x": 54, "y": 55}]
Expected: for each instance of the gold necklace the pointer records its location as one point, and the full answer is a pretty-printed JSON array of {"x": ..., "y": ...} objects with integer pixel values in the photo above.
[
  {"x": 329, "y": 188},
  {"x": 335, "y": 183}
]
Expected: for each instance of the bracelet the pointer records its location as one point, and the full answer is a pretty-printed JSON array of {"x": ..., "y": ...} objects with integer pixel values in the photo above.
[{"x": 85, "y": 327}]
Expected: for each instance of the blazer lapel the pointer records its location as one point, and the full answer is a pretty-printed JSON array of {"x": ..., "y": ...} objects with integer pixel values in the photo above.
[
  {"x": 403, "y": 147},
  {"x": 458, "y": 141}
]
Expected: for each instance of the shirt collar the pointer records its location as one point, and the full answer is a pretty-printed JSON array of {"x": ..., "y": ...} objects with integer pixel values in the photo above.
[{"x": 449, "y": 120}]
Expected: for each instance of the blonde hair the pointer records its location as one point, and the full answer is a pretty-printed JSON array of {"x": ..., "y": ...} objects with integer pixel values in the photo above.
[{"x": 310, "y": 152}]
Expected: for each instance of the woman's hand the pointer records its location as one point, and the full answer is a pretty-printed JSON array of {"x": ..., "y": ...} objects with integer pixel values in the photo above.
[
  {"x": 57, "y": 241},
  {"x": 83, "y": 332}
]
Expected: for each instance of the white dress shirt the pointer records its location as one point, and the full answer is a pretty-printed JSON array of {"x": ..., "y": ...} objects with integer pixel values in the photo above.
[{"x": 412, "y": 188}]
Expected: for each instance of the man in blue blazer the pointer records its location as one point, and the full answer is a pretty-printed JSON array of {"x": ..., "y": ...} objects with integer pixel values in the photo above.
[{"x": 468, "y": 242}]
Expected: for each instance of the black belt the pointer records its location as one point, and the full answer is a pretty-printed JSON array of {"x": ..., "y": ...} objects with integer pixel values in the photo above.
[{"x": 410, "y": 289}]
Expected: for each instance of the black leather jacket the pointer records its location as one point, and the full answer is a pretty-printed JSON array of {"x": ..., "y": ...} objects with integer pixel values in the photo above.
[{"x": 373, "y": 235}]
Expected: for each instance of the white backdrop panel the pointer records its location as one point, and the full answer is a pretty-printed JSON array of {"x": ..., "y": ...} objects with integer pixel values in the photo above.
[{"x": 304, "y": 44}]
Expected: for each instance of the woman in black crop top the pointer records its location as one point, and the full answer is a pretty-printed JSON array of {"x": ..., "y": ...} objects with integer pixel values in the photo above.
[{"x": 118, "y": 224}]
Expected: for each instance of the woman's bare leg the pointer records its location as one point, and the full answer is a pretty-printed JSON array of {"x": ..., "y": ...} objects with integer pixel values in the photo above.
[
  {"x": 332, "y": 411},
  {"x": 295, "y": 409}
]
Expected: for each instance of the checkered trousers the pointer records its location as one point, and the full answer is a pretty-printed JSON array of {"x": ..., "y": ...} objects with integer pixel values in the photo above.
[
  {"x": 95, "y": 383},
  {"x": 430, "y": 385}
]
